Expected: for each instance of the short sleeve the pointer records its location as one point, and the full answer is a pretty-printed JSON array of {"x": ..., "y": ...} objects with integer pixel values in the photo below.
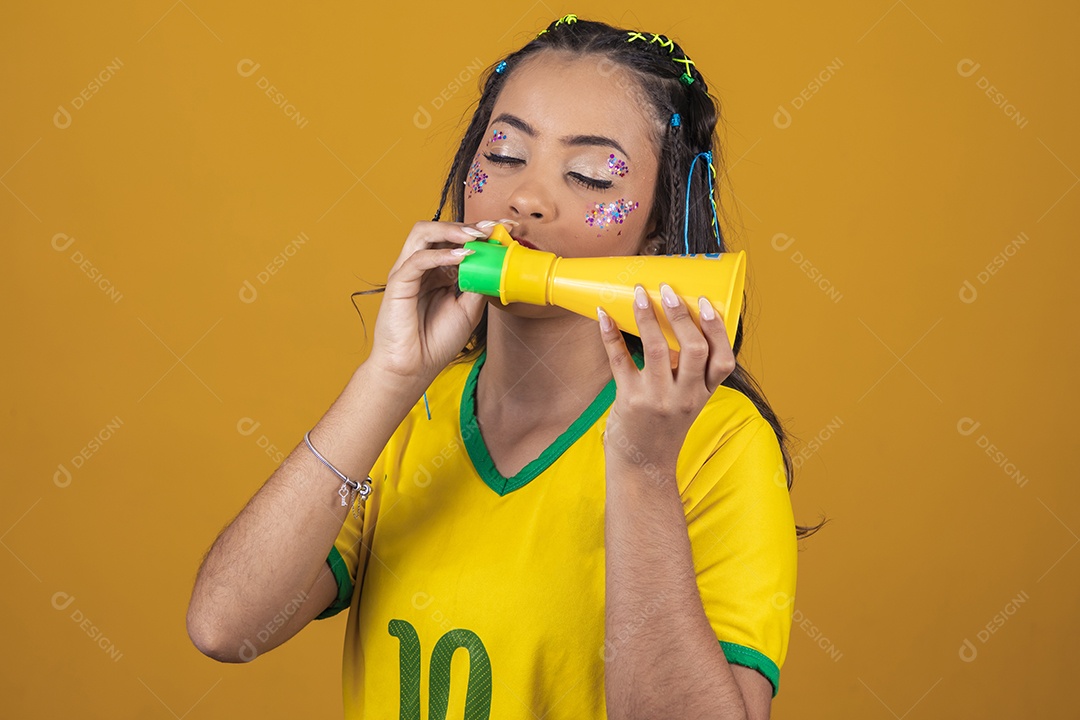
[
  {"x": 348, "y": 553},
  {"x": 742, "y": 536}
]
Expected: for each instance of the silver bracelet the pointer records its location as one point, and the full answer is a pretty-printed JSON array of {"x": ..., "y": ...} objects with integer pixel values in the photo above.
[{"x": 347, "y": 485}]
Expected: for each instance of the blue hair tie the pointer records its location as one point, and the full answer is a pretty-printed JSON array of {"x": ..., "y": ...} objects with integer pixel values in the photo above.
[
  {"x": 676, "y": 121},
  {"x": 712, "y": 200},
  {"x": 500, "y": 67}
]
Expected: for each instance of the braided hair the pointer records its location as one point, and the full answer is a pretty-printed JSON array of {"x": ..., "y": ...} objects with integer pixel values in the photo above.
[{"x": 674, "y": 91}]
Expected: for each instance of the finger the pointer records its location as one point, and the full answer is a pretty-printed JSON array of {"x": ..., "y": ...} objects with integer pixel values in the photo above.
[
  {"x": 406, "y": 280},
  {"x": 721, "y": 357},
  {"x": 439, "y": 279},
  {"x": 447, "y": 314},
  {"x": 653, "y": 343},
  {"x": 442, "y": 277},
  {"x": 472, "y": 304},
  {"x": 623, "y": 368},
  {"x": 428, "y": 235},
  {"x": 485, "y": 228},
  {"x": 693, "y": 347},
  {"x": 482, "y": 229}
]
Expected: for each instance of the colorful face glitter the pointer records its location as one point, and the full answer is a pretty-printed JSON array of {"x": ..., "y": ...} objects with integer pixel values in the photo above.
[
  {"x": 496, "y": 136},
  {"x": 476, "y": 179},
  {"x": 616, "y": 166},
  {"x": 603, "y": 215}
]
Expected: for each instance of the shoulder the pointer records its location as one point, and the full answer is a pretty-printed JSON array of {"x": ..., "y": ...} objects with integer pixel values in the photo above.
[
  {"x": 728, "y": 419},
  {"x": 730, "y": 444}
]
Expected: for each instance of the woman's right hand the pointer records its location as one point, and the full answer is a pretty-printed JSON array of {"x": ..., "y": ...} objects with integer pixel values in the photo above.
[{"x": 422, "y": 323}]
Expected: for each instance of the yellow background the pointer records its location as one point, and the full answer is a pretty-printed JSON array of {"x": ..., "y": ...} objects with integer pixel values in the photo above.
[{"x": 179, "y": 180}]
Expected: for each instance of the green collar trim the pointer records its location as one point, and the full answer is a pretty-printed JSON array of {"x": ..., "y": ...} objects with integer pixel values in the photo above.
[{"x": 481, "y": 458}]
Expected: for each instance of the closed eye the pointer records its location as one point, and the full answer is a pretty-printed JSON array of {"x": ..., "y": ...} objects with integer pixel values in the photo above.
[
  {"x": 591, "y": 182},
  {"x": 503, "y": 159},
  {"x": 584, "y": 180}
]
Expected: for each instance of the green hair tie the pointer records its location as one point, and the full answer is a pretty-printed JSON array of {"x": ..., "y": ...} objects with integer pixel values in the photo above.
[{"x": 686, "y": 79}]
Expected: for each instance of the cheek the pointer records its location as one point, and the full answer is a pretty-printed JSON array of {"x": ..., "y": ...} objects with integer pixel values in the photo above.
[
  {"x": 476, "y": 179},
  {"x": 601, "y": 216}
]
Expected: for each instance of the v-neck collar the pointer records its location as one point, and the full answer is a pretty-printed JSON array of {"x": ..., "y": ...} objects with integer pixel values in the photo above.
[{"x": 478, "y": 451}]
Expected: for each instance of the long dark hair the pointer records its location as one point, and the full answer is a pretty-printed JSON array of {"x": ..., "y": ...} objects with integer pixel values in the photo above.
[{"x": 667, "y": 83}]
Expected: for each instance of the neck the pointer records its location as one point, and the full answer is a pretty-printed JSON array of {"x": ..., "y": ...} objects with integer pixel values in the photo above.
[{"x": 556, "y": 363}]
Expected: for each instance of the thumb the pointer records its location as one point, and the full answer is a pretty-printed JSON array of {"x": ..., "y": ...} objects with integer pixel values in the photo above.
[{"x": 472, "y": 304}]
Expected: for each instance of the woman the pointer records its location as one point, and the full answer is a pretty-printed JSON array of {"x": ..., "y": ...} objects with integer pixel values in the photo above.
[{"x": 606, "y": 529}]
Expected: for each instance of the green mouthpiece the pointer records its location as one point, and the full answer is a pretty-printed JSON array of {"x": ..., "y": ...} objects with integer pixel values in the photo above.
[{"x": 481, "y": 271}]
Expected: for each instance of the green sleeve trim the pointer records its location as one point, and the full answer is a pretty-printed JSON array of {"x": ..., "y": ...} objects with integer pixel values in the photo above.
[
  {"x": 344, "y": 583},
  {"x": 748, "y": 657}
]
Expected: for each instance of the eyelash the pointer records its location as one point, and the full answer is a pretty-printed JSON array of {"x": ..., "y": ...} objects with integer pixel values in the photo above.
[{"x": 588, "y": 182}]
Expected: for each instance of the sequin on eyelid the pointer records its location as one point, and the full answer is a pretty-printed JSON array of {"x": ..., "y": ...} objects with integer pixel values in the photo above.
[
  {"x": 617, "y": 166},
  {"x": 602, "y": 215},
  {"x": 497, "y": 135}
]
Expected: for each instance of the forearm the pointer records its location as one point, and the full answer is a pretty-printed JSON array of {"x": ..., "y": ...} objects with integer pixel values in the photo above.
[
  {"x": 273, "y": 551},
  {"x": 662, "y": 657}
]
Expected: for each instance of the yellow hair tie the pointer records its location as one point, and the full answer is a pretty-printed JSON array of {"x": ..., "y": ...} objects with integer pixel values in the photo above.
[
  {"x": 567, "y": 19},
  {"x": 664, "y": 42}
]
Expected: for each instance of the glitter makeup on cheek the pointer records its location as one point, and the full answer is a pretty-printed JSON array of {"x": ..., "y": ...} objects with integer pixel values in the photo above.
[
  {"x": 497, "y": 135},
  {"x": 602, "y": 215},
  {"x": 476, "y": 179},
  {"x": 616, "y": 166}
]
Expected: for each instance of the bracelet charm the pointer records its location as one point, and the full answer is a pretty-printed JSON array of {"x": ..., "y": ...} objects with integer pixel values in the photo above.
[{"x": 362, "y": 488}]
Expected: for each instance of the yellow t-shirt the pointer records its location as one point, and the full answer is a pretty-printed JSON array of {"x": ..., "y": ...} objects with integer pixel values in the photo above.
[{"x": 450, "y": 554}]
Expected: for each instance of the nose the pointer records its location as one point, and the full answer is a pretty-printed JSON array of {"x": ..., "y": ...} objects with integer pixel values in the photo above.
[{"x": 531, "y": 198}]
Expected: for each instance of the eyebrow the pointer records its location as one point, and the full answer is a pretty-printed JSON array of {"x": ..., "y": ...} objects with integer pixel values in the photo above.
[{"x": 569, "y": 140}]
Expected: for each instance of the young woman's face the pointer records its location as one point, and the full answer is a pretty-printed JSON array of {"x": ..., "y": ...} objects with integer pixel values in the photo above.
[{"x": 570, "y": 156}]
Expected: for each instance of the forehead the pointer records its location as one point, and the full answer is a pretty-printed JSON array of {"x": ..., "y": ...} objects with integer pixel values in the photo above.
[{"x": 561, "y": 94}]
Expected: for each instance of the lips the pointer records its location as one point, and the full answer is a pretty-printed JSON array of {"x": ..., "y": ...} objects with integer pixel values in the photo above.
[{"x": 525, "y": 243}]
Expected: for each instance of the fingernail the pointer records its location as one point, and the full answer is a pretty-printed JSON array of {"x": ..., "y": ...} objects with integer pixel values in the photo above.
[
  {"x": 474, "y": 232},
  {"x": 462, "y": 251},
  {"x": 707, "y": 311},
  {"x": 508, "y": 221},
  {"x": 605, "y": 320},
  {"x": 640, "y": 297},
  {"x": 669, "y": 296},
  {"x": 486, "y": 224}
]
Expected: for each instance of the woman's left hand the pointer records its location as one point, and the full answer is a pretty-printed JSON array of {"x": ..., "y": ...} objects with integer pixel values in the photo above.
[{"x": 654, "y": 407}]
